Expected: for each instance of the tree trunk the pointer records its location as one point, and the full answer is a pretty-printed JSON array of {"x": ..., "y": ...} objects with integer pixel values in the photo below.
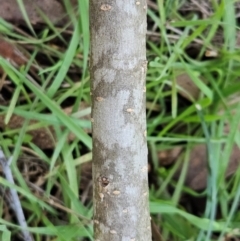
[{"x": 118, "y": 68}]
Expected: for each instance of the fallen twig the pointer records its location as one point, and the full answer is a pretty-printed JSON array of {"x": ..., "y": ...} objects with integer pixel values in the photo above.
[{"x": 14, "y": 199}]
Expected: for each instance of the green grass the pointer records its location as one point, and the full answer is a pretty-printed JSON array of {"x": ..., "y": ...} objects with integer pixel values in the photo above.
[
  {"x": 221, "y": 74},
  {"x": 172, "y": 121}
]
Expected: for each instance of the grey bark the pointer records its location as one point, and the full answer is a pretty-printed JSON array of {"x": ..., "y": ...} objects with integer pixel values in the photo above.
[{"x": 118, "y": 68}]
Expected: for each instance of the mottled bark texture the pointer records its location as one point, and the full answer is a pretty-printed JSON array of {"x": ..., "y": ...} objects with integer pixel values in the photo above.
[{"x": 120, "y": 168}]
